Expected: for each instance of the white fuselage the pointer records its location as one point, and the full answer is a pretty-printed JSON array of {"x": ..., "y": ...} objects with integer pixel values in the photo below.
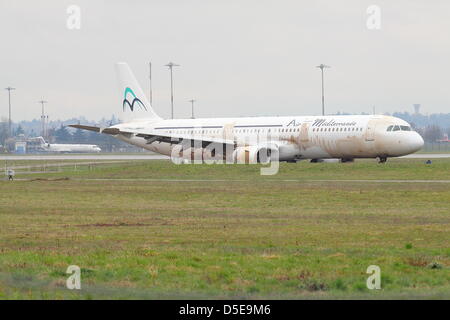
[
  {"x": 71, "y": 148},
  {"x": 308, "y": 137}
]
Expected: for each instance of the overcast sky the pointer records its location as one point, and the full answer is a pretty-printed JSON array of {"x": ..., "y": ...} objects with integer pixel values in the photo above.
[{"x": 237, "y": 58}]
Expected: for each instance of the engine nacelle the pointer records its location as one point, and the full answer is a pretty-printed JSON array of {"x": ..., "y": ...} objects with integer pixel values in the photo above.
[{"x": 255, "y": 154}]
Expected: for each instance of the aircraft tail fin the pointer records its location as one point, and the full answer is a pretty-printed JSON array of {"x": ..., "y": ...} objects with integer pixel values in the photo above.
[
  {"x": 41, "y": 140},
  {"x": 134, "y": 102}
]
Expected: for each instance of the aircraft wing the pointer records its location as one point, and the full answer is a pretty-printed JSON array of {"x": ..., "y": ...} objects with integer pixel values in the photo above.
[
  {"x": 152, "y": 136},
  {"x": 112, "y": 131},
  {"x": 176, "y": 139},
  {"x": 90, "y": 128}
]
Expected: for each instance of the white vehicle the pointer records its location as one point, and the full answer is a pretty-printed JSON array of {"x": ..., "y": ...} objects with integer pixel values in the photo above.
[
  {"x": 69, "y": 148},
  {"x": 251, "y": 139}
]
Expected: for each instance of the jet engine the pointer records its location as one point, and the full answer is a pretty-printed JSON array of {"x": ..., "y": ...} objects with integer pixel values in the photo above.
[{"x": 255, "y": 154}]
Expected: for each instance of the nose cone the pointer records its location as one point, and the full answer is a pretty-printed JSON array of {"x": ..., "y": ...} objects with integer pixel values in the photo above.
[{"x": 416, "y": 142}]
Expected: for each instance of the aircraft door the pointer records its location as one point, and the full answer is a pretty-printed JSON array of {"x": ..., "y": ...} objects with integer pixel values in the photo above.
[
  {"x": 304, "y": 132},
  {"x": 370, "y": 130}
]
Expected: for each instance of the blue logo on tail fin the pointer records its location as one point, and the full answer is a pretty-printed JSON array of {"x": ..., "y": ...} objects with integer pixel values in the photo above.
[{"x": 135, "y": 100}]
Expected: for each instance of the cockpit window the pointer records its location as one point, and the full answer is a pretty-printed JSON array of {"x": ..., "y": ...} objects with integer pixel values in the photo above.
[{"x": 398, "y": 128}]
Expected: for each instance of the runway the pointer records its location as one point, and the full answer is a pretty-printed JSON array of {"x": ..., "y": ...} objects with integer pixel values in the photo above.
[
  {"x": 157, "y": 157},
  {"x": 244, "y": 180},
  {"x": 85, "y": 157},
  {"x": 426, "y": 156}
]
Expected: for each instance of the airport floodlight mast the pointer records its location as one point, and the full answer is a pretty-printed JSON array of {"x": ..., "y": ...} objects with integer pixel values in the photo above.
[
  {"x": 9, "y": 103},
  {"x": 42, "y": 102},
  {"x": 150, "y": 78},
  {"x": 321, "y": 67},
  {"x": 46, "y": 127},
  {"x": 171, "y": 65},
  {"x": 192, "y": 108}
]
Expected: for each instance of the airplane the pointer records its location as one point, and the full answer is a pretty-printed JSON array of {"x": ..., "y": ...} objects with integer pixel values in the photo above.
[
  {"x": 258, "y": 139},
  {"x": 68, "y": 148},
  {"x": 444, "y": 139}
]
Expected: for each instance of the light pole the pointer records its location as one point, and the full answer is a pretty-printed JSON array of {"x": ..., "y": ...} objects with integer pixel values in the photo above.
[
  {"x": 42, "y": 102},
  {"x": 171, "y": 65},
  {"x": 150, "y": 77},
  {"x": 9, "y": 102},
  {"x": 192, "y": 108},
  {"x": 321, "y": 67}
]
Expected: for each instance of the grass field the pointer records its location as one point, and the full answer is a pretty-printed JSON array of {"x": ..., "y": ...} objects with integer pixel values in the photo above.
[{"x": 153, "y": 229}]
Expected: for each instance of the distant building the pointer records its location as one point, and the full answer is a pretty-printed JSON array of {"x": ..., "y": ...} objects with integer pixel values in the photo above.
[
  {"x": 20, "y": 147},
  {"x": 416, "y": 108},
  {"x": 34, "y": 145},
  {"x": 22, "y": 144}
]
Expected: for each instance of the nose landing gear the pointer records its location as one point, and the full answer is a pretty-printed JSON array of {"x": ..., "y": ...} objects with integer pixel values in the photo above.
[{"x": 382, "y": 159}]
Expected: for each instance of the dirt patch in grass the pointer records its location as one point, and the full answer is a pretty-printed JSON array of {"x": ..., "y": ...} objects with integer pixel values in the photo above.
[
  {"x": 118, "y": 224},
  {"x": 418, "y": 261},
  {"x": 49, "y": 179}
]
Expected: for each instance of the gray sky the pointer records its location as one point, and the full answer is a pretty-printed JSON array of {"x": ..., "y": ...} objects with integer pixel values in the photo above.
[{"x": 237, "y": 57}]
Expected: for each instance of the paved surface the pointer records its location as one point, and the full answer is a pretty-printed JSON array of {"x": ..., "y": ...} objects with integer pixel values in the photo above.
[
  {"x": 62, "y": 164},
  {"x": 85, "y": 157},
  {"x": 157, "y": 156},
  {"x": 247, "y": 180},
  {"x": 427, "y": 155}
]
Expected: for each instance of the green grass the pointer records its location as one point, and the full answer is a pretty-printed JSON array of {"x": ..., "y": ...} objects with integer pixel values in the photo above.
[
  {"x": 262, "y": 237},
  {"x": 408, "y": 169}
]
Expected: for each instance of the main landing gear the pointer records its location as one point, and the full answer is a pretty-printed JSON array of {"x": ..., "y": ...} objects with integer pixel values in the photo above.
[{"x": 382, "y": 159}]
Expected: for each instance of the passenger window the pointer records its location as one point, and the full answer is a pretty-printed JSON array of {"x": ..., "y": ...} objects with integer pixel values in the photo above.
[{"x": 396, "y": 128}]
